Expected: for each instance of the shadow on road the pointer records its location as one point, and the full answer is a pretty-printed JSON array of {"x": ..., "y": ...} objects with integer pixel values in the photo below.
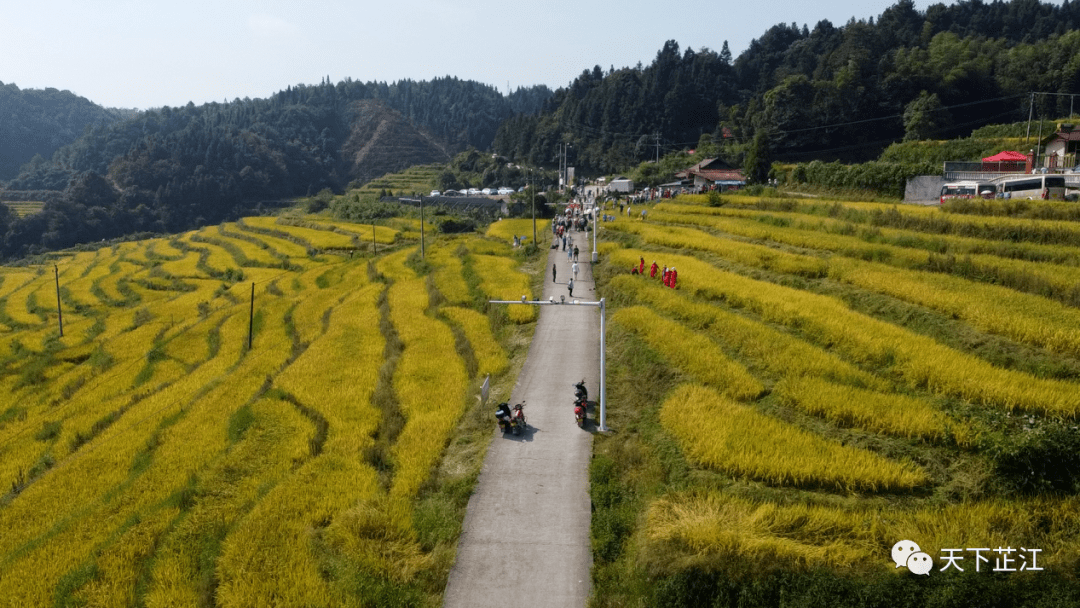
[{"x": 526, "y": 435}]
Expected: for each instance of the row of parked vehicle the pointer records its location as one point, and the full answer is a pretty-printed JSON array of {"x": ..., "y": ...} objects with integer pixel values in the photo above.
[{"x": 476, "y": 192}]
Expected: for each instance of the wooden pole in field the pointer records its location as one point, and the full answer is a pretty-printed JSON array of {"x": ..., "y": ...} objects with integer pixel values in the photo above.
[
  {"x": 374, "y": 247},
  {"x": 251, "y": 316},
  {"x": 59, "y": 313},
  {"x": 421, "y": 226}
]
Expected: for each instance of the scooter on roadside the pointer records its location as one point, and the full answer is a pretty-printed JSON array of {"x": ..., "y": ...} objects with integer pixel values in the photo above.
[
  {"x": 581, "y": 412},
  {"x": 511, "y": 419}
]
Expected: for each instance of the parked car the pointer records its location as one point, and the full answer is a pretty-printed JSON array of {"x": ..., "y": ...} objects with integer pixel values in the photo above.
[
  {"x": 505, "y": 191},
  {"x": 473, "y": 192},
  {"x": 435, "y": 193},
  {"x": 487, "y": 192}
]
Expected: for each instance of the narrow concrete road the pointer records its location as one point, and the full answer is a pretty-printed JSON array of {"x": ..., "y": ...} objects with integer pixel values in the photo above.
[{"x": 526, "y": 534}]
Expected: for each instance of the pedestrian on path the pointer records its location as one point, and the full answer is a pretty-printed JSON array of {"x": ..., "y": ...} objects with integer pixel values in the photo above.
[
  {"x": 569, "y": 254},
  {"x": 553, "y": 271},
  {"x": 575, "y": 269},
  {"x": 575, "y": 253},
  {"x": 570, "y": 287}
]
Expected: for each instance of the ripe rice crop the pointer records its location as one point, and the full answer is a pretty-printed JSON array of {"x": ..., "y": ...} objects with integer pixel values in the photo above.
[
  {"x": 393, "y": 266},
  {"x": 819, "y": 233},
  {"x": 429, "y": 382},
  {"x": 918, "y": 360},
  {"x": 780, "y": 353},
  {"x": 258, "y": 226},
  {"x": 252, "y": 253},
  {"x": 310, "y": 315},
  {"x": 185, "y": 267},
  {"x": 712, "y": 527},
  {"x": 275, "y": 440},
  {"x": 337, "y": 374},
  {"x": 507, "y": 229},
  {"x": 690, "y": 352},
  {"x": 888, "y": 413},
  {"x": 336, "y": 377},
  {"x": 490, "y": 356},
  {"x": 83, "y": 514},
  {"x": 487, "y": 247},
  {"x": 383, "y": 235},
  {"x": 721, "y": 434},
  {"x": 736, "y": 251},
  {"x": 808, "y": 239},
  {"x": 447, "y": 275},
  {"x": 319, "y": 238},
  {"x": 501, "y": 280},
  {"x": 991, "y": 308}
]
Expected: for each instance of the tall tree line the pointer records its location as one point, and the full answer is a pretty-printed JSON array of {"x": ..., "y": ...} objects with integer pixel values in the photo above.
[{"x": 831, "y": 92}]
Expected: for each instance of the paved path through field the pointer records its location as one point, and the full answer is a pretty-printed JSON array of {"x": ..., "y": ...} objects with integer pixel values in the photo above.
[{"x": 526, "y": 535}]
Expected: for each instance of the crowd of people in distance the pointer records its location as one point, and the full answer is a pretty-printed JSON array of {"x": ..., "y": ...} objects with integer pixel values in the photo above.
[{"x": 668, "y": 276}]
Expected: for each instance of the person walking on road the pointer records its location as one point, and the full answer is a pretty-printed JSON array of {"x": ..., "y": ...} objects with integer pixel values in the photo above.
[
  {"x": 570, "y": 287},
  {"x": 553, "y": 272},
  {"x": 575, "y": 253},
  {"x": 575, "y": 269}
]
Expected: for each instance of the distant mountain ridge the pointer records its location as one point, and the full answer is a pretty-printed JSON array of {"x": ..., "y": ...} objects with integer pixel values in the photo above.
[
  {"x": 40, "y": 121},
  {"x": 172, "y": 169}
]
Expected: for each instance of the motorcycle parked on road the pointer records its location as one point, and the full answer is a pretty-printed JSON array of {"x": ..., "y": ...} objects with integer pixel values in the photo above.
[
  {"x": 511, "y": 419},
  {"x": 581, "y": 412},
  {"x": 580, "y": 392},
  {"x": 581, "y": 403}
]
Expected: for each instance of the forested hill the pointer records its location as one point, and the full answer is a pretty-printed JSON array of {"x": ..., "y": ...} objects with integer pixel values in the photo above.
[
  {"x": 37, "y": 122},
  {"x": 824, "y": 91},
  {"x": 172, "y": 169}
]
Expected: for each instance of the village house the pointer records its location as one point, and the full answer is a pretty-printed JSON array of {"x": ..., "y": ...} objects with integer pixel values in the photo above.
[{"x": 713, "y": 172}]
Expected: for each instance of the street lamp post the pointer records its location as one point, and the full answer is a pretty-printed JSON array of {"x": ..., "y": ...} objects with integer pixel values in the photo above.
[
  {"x": 603, "y": 356},
  {"x": 595, "y": 229},
  {"x": 532, "y": 196}
]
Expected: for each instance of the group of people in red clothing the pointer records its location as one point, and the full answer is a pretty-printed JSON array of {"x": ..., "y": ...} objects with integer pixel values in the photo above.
[{"x": 668, "y": 276}]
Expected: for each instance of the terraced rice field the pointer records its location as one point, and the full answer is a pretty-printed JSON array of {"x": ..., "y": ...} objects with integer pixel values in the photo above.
[
  {"x": 826, "y": 378},
  {"x": 150, "y": 456}
]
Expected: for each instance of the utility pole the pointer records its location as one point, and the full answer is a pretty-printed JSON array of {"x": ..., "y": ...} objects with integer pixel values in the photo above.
[
  {"x": 59, "y": 313},
  {"x": 532, "y": 196},
  {"x": 374, "y": 247},
  {"x": 421, "y": 226},
  {"x": 1031, "y": 108},
  {"x": 251, "y": 316},
  {"x": 657, "y": 147}
]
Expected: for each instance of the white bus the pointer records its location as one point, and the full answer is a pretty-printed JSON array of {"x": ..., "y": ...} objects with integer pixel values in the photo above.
[
  {"x": 1032, "y": 187},
  {"x": 970, "y": 189}
]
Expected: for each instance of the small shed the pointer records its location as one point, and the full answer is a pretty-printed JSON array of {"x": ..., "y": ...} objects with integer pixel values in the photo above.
[{"x": 621, "y": 184}]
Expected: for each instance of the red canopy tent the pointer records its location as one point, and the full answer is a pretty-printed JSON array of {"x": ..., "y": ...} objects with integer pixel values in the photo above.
[{"x": 1007, "y": 155}]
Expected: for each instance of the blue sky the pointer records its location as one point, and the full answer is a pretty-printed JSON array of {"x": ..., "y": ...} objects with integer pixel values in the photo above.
[{"x": 149, "y": 53}]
